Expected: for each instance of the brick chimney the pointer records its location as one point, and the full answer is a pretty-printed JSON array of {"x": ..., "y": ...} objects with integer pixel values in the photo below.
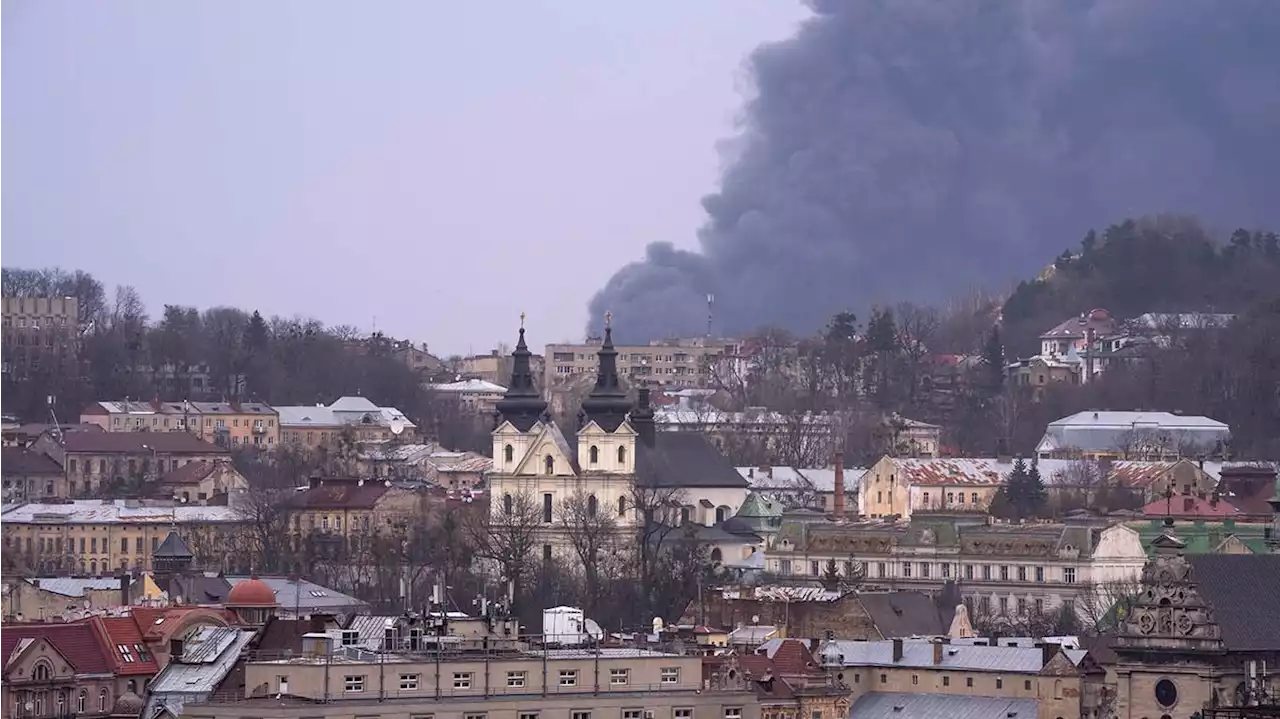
[
  {"x": 937, "y": 653},
  {"x": 838, "y": 502}
]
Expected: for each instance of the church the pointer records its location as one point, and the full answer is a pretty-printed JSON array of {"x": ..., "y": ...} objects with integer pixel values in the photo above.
[{"x": 615, "y": 461}]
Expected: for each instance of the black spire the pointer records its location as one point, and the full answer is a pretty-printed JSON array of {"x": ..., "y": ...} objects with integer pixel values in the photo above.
[
  {"x": 522, "y": 405},
  {"x": 607, "y": 405}
]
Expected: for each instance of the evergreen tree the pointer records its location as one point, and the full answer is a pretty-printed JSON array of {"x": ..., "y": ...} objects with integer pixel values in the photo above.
[
  {"x": 1035, "y": 497},
  {"x": 993, "y": 361}
]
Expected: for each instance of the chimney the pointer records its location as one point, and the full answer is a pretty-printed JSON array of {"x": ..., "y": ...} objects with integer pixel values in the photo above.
[
  {"x": 838, "y": 502},
  {"x": 1048, "y": 651},
  {"x": 175, "y": 649},
  {"x": 897, "y": 650},
  {"x": 937, "y": 653},
  {"x": 124, "y": 590},
  {"x": 642, "y": 419}
]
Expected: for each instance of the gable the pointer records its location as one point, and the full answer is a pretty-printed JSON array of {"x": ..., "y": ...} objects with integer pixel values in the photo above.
[
  {"x": 593, "y": 430},
  {"x": 550, "y": 442}
]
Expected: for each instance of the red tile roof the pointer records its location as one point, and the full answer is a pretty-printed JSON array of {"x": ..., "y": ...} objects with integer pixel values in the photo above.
[
  {"x": 138, "y": 443},
  {"x": 78, "y": 642},
  {"x": 126, "y": 647},
  {"x": 189, "y": 473},
  {"x": 1190, "y": 506},
  {"x": 793, "y": 658},
  {"x": 340, "y": 494}
]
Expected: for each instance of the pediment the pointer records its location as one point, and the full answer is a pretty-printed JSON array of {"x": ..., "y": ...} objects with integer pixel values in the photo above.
[
  {"x": 547, "y": 443},
  {"x": 594, "y": 430},
  {"x": 28, "y": 652},
  {"x": 506, "y": 428}
]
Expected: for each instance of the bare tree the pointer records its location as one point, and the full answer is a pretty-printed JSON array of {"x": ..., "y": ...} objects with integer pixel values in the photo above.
[
  {"x": 915, "y": 328},
  {"x": 507, "y": 536},
  {"x": 656, "y": 511},
  {"x": 592, "y": 532},
  {"x": 1100, "y": 605}
]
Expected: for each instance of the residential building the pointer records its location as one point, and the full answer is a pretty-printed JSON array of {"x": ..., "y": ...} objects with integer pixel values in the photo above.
[
  {"x": 814, "y": 611},
  {"x": 1073, "y": 336},
  {"x": 803, "y": 439},
  {"x": 354, "y": 417},
  {"x": 208, "y": 656},
  {"x": 41, "y": 334},
  {"x": 429, "y": 463},
  {"x": 30, "y": 476},
  {"x": 73, "y": 669},
  {"x": 203, "y": 482},
  {"x": 495, "y": 367},
  {"x": 95, "y": 461},
  {"x": 688, "y": 362},
  {"x": 1003, "y": 571},
  {"x": 24, "y": 435},
  {"x": 788, "y": 681},
  {"x": 1133, "y": 435},
  {"x": 97, "y": 537},
  {"x": 417, "y": 359},
  {"x": 813, "y": 488},
  {"x": 473, "y": 395},
  {"x": 898, "y": 487},
  {"x": 508, "y": 678},
  {"x": 913, "y": 678},
  {"x": 226, "y": 424},
  {"x": 332, "y": 512},
  {"x": 616, "y": 458},
  {"x": 40, "y": 599}
]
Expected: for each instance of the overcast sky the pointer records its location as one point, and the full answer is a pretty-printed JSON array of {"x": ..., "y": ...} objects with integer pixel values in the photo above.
[{"x": 441, "y": 166}]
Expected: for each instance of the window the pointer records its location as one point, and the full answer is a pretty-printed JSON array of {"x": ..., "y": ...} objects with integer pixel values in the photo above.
[
  {"x": 528, "y": 715},
  {"x": 580, "y": 715},
  {"x": 507, "y": 504},
  {"x": 1022, "y": 607},
  {"x": 999, "y": 683},
  {"x": 509, "y": 453},
  {"x": 124, "y": 545},
  {"x": 960, "y": 498},
  {"x": 546, "y": 507},
  {"x": 1004, "y": 606},
  {"x": 622, "y": 506},
  {"x": 946, "y": 681},
  {"x": 986, "y": 572},
  {"x": 462, "y": 680},
  {"x": 906, "y": 569},
  {"x": 1039, "y": 607},
  {"x": 82, "y": 702},
  {"x": 42, "y": 672},
  {"x": 476, "y": 715},
  {"x": 968, "y": 682},
  {"x": 814, "y": 568},
  {"x": 915, "y": 679},
  {"x": 622, "y": 455},
  {"x": 632, "y": 714},
  {"x": 884, "y": 678},
  {"x": 946, "y": 570},
  {"x": 126, "y": 653},
  {"x": 671, "y": 675},
  {"x": 71, "y": 466},
  {"x": 549, "y": 465},
  {"x": 1069, "y": 606},
  {"x": 592, "y": 506},
  {"x": 408, "y": 682},
  {"x": 733, "y": 713},
  {"x": 924, "y": 570},
  {"x": 137, "y": 546},
  {"x": 926, "y": 499},
  {"x": 974, "y": 497},
  {"x": 1022, "y": 574},
  {"x": 353, "y": 684},
  {"x": 618, "y": 677},
  {"x": 568, "y": 677},
  {"x": 880, "y": 569},
  {"x": 593, "y": 455},
  {"x": 1039, "y": 574},
  {"x": 1069, "y": 575},
  {"x": 682, "y": 713},
  {"x": 93, "y": 545},
  {"x": 515, "y": 680},
  {"x": 1004, "y": 573},
  {"x": 1026, "y": 684}
]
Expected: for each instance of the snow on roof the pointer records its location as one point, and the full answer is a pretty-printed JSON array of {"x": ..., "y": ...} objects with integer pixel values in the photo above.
[
  {"x": 478, "y": 386},
  {"x": 106, "y": 511}
]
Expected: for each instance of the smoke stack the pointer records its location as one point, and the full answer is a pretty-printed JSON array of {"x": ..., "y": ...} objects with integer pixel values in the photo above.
[{"x": 838, "y": 503}]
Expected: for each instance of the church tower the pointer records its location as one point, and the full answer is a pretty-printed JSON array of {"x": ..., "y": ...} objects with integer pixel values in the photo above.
[
  {"x": 606, "y": 440},
  {"x": 520, "y": 414}
]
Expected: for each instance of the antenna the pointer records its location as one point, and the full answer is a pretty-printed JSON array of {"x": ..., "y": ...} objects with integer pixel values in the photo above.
[{"x": 711, "y": 301}]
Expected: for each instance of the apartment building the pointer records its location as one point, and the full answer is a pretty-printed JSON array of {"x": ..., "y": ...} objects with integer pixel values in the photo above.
[
  {"x": 1008, "y": 572},
  {"x": 334, "y": 512},
  {"x": 103, "y": 536},
  {"x": 30, "y": 476},
  {"x": 226, "y": 424},
  {"x": 40, "y": 334},
  {"x": 473, "y": 395},
  {"x": 686, "y": 362},
  {"x": 508, "y": 681},
  {"x": 92, "y": 461},
  {"x": 362, "y": 420}
]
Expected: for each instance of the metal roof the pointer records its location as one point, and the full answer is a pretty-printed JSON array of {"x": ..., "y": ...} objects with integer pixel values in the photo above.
[
  {"x": 207, "y": 644},
  {"x": 303, "y": 596},
  {"x": 469, "y": 385},
  {"x": 74, "y": 586},
  {"x": 1015, "y": 660},
  {"x": 371, "y": 630},
  {"x": 896, "y": 705},
  {"x": 108, "y": 511},
  {"x": 180, "y": 682}
]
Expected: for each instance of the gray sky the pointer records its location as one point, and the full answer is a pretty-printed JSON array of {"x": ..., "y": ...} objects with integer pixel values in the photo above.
[{"x": 405, "y": 160}]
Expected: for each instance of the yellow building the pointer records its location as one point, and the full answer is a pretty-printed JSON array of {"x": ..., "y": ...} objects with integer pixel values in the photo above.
[
  {"x": 226, "y": 424},
  {"x": 99, "y": 537},
  {"x": 897, "y": 486}
]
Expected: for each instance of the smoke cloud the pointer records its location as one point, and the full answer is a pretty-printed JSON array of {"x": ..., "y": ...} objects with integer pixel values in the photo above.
[{"x": 913, "y": 149}]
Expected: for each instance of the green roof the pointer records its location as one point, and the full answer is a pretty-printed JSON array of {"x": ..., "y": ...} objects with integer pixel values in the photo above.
[{"x": 1203, "y": 537}]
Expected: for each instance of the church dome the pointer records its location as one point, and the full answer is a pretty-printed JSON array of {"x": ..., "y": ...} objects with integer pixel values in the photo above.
[
  {"x": 252, "y": 592},
  {"x": 128, "y": 704}
]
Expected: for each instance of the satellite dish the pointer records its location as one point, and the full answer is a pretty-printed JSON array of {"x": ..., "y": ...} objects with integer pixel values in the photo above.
[
  {"x": 397, "y": 426},
  {"x": 387, "y": 483}
]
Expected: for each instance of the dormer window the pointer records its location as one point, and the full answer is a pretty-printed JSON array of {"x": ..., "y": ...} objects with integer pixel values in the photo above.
[
  {"x": 550, "y": 465},
  {"x": 508, "y": 453},
  {"x": 594, "y": 454}
]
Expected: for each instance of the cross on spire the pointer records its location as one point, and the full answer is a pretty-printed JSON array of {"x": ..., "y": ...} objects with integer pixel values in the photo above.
[
  {"x": 521, "y": 320},
  {"x": 608, "y": 318}
]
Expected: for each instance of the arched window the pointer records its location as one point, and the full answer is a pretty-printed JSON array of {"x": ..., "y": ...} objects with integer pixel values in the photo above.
[
  {"x": 591, "y": 506},
  {"x": 550, "y": 464},
  {"x": 594, "y": 454},
  {"x": 622, "y": 506},
  {"x": 622, "y": 455},
  {"x": 508, "y": 453},
  {"x": 716, "y": 556},
  {"x": 62, "y": 702},
  {"x": 102, "y": 701},
  {"x": 133, "y": 686},
  {"x": 42, "y": 672},
  {"x": 506, "y": 504},
  {"x": 93, "y": 568},
  {"x": 82, "y": 702}
]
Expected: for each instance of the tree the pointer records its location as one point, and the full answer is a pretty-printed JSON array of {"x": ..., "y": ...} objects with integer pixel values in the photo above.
[
  {"x": 993, "y": 363},
  {"x": 508, "y": 535},
  {"x": 592, "y": 532},
  {"x": 1023, "y": 494}
]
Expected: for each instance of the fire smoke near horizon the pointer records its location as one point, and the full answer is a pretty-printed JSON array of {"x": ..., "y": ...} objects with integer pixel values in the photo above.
[{"x": 911, "y": 149}]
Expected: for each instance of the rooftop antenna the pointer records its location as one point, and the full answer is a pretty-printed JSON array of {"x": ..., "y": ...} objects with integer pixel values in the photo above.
[
  {"x": 57, "y": 428},
  {"x": 711, "y": 300}
]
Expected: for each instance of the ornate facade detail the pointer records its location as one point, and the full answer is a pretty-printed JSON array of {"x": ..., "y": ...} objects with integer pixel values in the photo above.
[{"x": 1169, "y": 613}]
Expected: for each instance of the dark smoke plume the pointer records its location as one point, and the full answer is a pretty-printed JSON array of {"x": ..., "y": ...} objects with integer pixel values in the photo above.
[{"x": 912, "y": 149}]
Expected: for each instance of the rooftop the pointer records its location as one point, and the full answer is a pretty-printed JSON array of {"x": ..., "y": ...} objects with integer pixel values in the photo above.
[
  {"x": 477, "y": 386},
  {"x": 107, "y": 511},
  {"x": 902, "y": 705},
  {"x": 143, "y": 443}
]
